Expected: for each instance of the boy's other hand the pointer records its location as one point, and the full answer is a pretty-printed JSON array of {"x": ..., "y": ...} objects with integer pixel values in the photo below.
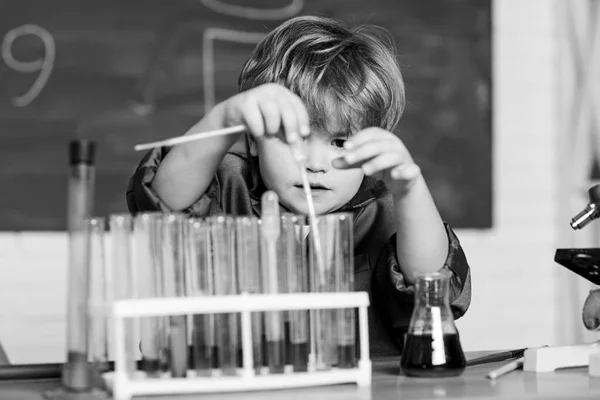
[
  {"x": 268, "y": 110},
  {"x": 375, "y": 150}
]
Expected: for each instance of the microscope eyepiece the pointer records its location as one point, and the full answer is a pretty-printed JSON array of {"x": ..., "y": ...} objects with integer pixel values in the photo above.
[{"x": 589, "y": 213}]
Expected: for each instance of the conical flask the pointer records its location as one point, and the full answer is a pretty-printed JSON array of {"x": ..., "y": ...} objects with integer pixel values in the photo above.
[{"x": 432, "y": 347}]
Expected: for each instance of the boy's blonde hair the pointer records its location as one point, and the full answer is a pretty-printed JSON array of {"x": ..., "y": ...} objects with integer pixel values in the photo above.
[{"x": 349, "y": 73}]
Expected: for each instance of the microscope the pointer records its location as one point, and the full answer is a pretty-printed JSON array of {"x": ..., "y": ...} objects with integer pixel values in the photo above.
[{"x": 585, "y": 262}]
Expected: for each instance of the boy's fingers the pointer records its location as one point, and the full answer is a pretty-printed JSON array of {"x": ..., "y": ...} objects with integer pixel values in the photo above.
[
  {"x": 405, "y": 172},
  {"x": 369, "y": 150},
  {"x": 341, "y": 163},
  {"x": 366, "y": 136},
  {"x": 253, "y": 118},
  {"x": 289, "y": 121},
  {"x": 301, "y": 115},
  {"x": 271, "y": 116},
  {"x": 381, "y": 163}
]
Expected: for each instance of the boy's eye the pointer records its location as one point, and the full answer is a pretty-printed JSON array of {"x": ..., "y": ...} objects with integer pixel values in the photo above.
[{"x": 339, "y": 143}]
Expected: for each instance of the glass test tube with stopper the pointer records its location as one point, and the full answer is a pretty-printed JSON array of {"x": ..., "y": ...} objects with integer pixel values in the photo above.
[
  {"x": 272, "y": 280},
  {"x": 76, "y": 374}
]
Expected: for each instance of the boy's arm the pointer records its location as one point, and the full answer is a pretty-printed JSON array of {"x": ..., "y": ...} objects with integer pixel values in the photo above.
[
  {"x": 421, "y": 240},
  {"x": 395, "y": 297},
  {"x": 187, "y": 170},
  {"x": 392, "y": 294}
]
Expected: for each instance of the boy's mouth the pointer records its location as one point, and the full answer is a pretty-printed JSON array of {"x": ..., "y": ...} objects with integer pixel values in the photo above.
[{"x": 313, "y": 186}]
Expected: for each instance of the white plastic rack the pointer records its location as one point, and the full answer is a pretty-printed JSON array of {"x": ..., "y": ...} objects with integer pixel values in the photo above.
[{"x": 125, "y": 386}]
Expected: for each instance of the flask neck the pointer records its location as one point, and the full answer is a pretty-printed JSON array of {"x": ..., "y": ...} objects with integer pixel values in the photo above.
[
  {"x": 432, "y": 290},
  {"x": 432, "y": 313}
]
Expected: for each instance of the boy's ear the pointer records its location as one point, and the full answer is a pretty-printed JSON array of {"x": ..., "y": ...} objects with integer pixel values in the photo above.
[{"x": 252, "y": 145}]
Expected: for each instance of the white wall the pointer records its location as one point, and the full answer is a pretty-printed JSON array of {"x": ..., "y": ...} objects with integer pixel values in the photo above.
[{"x": 514, "y": 277}]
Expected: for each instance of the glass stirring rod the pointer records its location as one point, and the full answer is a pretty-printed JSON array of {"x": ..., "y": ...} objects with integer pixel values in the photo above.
[{"x": 300, "y": 156}]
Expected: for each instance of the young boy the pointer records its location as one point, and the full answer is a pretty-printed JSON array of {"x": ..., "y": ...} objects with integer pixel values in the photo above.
[{"x": 341, "y": 92}]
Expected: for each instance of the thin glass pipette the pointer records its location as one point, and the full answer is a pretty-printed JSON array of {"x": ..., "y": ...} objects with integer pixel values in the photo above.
[
  {"x": 300, "y": 156},
  {"x": 271, "y": 231}
]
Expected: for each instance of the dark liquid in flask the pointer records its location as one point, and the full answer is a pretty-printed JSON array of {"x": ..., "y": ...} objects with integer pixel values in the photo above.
[{"x": 417, "y": 357}]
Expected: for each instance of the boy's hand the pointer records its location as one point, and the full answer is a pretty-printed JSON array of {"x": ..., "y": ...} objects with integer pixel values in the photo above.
[
  {"x": 268, "y": 110},
  {"x": 375, "y": 150}
]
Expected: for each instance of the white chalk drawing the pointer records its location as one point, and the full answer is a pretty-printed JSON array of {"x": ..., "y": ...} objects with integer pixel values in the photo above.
[
  {"x": 44, "y": 65},
  {"x": 255, "y": 13},
  {"x": 211, "y": 35}
]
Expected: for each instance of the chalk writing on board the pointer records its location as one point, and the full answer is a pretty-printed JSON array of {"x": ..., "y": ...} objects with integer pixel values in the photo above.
[
  {"x": 210, "y": 38},
  {"x": 210, "y": 35},
  {"x": 43, "y": 65},
  {"x": 233, "y": 10}
]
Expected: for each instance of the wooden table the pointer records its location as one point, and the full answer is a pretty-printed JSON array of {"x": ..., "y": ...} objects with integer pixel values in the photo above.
[{"x": 388, "y": 384}]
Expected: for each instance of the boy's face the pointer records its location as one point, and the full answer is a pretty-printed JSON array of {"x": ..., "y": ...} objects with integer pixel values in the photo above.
[{"x": 331, "y": 187}]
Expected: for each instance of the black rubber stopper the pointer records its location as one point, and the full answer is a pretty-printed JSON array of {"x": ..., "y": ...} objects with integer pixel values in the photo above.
[{"x": 82, "y": 152}]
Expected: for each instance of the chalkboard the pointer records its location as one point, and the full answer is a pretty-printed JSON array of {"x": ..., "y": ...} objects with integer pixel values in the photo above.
[{"x": 123, "y": 72}]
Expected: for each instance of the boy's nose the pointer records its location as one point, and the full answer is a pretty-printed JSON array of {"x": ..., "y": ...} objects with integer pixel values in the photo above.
[
  {"x": 315, "y": 166},
  {"x": 316, "y": 160}
]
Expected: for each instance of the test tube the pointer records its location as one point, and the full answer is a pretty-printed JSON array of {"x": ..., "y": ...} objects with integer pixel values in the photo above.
[
  {"x": 272, "y": 280},
  {"x": 80, "y": 204},
  {"x": 344, "y": 273},
  {"x": 249, "y": 275},
  {"x": 147, "y": 234},
  {"x": 284, "y": 287},
  {"x": 296, "y": 265},
  {"x": 222, "y": 244},
  {"x": 324, "y": 323},
  {"x": 200, "y": 277},
  {"x": 123, "y": 271},
  {"x": 174, "y": 260},
  {"x": 99, "y": 296}
]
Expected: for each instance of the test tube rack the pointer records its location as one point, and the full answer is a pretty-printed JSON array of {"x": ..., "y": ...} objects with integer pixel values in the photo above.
[{"x": 124, "y": 386}]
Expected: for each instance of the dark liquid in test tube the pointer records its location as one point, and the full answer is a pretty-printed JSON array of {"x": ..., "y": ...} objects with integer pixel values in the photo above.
[
  {"x": 276, "y": 356},
  {"x": 178, "y": 347},
  {"x": 76, "y": 372},
  {"x": 288, "y": 342},
  {"x": 202, "y": 354},
  {"x": 296, "y": 352},
  {"x": 163, "y": 361},
  {"x": 299, "y": 354},
  {"x": 151, "y": 366},
  {"x": 346, "y": 356},
  {"x": 203, "y": 360}
]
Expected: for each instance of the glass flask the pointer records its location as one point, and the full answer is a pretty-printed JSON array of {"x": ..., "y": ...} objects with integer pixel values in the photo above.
[{"x": 432, "y": 347}]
